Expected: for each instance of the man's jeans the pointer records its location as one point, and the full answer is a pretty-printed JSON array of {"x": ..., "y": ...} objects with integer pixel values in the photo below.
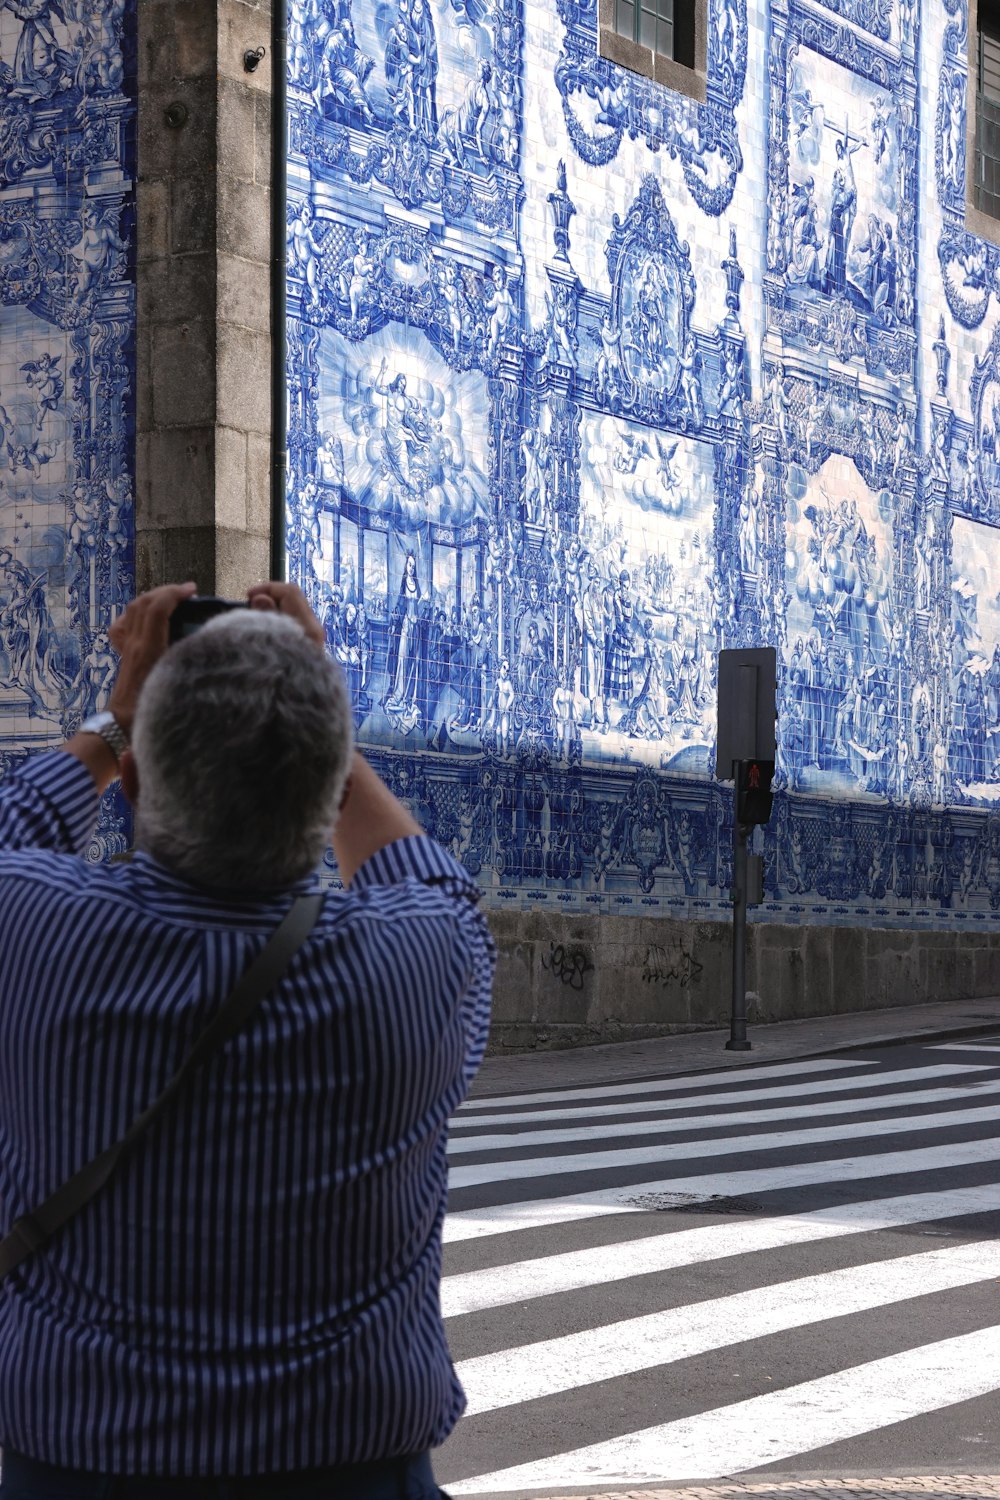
[{"x": 394, "y": 1479}]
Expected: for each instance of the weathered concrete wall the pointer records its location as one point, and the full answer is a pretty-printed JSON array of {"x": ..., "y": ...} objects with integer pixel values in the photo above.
[
  {"x": 568, "y": 981},
  {"x": 203, "y": 342}
]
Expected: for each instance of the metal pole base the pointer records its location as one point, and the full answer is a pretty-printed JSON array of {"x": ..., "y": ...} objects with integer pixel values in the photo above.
[{"x": 744, "y": 1046}]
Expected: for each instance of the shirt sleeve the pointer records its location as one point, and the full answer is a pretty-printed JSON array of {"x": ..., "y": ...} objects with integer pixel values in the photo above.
[
  {"x": 420, "y": 858},
  {"x": 49, "y": 802}
]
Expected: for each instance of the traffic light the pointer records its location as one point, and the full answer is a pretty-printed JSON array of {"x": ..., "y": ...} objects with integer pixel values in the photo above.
[{"x": 753, "y": 791}]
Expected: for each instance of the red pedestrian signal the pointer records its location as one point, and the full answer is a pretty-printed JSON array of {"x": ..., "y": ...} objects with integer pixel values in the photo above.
[{"x": 754, "y": 801}]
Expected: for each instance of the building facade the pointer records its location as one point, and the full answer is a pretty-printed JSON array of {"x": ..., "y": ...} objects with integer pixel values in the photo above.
[
  {"x": 588, "y": 378},
  {"x": 67, "y": 366}
]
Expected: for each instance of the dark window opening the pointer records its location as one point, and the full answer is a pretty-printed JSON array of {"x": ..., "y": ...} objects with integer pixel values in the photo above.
[
  {"x": 665, "y": 26},
  {"x": 987, "y": 178}
]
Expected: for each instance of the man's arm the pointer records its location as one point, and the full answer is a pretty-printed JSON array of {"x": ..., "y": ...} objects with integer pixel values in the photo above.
[
  {"x": 370, "y": 818},
  {"x": 140, "y": 636},
  {"x": 51, "y": 803}
]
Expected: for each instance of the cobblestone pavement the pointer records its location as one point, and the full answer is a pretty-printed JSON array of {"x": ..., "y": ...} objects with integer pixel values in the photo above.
[{"x": 925, "y": 1487}]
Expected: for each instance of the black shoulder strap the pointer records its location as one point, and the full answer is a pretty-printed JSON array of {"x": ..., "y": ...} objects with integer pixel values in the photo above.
[{"x": 33, "y": 1230}]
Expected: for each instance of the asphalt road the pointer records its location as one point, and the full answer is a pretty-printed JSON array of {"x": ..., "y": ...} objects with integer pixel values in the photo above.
[{"x": 790, "y": 1271}]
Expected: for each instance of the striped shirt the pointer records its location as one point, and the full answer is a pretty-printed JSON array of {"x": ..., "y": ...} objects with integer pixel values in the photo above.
[{"x": 257, "y": 1290}]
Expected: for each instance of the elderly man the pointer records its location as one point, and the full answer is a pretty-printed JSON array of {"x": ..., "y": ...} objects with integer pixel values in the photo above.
[{"x": 250, "y": 1306}]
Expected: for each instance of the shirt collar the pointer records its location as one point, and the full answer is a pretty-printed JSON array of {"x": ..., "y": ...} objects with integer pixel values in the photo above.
[{"x": 151, "y": 872}]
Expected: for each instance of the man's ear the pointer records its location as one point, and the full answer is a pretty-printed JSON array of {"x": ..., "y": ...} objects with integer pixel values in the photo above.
[{"x": 130, "y": 777}]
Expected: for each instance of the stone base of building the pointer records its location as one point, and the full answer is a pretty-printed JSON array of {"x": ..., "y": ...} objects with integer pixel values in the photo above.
[{"x": 575, "y": 981}]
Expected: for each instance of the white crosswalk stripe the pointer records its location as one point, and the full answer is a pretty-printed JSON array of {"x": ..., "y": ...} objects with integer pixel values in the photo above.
[
  {"x": 521, "y": 1168},
  {"x": 641, "y": 1197},
  {"x": 578, "y": 1359},
  {"x": 978, "y": 1046},
  {"x": 793, "y": 1072},
  {"x": 521, "y": 1280},
  {"x": 632, "y": 1128},
  {"x": 752, "y": 1434},
  {"x": 593, "y": 1301},
  {"x": 661, "y": 1105}
]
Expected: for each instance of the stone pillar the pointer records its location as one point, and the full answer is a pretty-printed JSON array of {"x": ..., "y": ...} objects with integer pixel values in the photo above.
[{"x": 203, "y": 406}]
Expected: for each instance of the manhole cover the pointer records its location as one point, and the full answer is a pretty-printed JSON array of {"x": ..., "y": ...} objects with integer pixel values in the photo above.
[{"x": 692, "y": 1203}]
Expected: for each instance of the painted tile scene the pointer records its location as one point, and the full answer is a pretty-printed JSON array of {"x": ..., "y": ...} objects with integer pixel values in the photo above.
[{"x": 594, "y": 381}]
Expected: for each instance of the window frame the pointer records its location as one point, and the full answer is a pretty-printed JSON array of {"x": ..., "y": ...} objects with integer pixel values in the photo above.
[
  {"x": 654, "y": 65},
  {"x": 977, "y": 220}
]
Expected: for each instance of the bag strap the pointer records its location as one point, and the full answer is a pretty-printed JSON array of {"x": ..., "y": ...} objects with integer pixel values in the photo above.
[{"x": 33, "y": 1230}]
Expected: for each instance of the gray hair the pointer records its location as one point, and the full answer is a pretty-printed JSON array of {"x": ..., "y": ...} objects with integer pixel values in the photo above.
[{"x": 243, "y": 740}]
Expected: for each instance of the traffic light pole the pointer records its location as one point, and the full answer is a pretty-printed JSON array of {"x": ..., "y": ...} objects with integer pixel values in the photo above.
[{"x": 738, "y": 1024}]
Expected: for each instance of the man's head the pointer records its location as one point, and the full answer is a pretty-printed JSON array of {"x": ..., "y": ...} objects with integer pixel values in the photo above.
[{"x": 241, "y": 748}]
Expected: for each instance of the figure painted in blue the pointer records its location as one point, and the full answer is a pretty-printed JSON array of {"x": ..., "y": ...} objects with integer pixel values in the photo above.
[
  {"x": 805, "y": 245},
  {"x": 41, "y": 67},
  {"x": 991, "y": 683},
  {"x": 619, "y": 657},
  {"x": 650, "y": 323},
  {"x": 881, "y": 126},
  {"x": 535, "y": 451},
  {"x": 350, "y": 651},
  {"x": 500, "y": 310},
  {"x": 407, "y": 656},
  {"x": 594, "y": 649},
  {"x": 330, "y": 461},
  {"x": 304, "y": 250},
  {"x": 422, "y": 50},
  {"x": 649, "y": 714},
  {"x": 405, "y": 431},
  {"x": 875, "y": 275},
  {"x": 466, "y": 122},
  {"x": 356, "y": 275},
  {"x": 27, "y": 634},
  {"x": 476, "y": 654},
  {"x": 401, "y": 63},
  {"x": 44, "y": 378},
  {"x": 606, "y": 384},
  {"x": 843, "y": 210},
  {"x": 343, "y": 73}
]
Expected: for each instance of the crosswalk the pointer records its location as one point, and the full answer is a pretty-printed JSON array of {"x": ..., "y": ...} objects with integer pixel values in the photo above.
[{"x": 692, "y": 1278}]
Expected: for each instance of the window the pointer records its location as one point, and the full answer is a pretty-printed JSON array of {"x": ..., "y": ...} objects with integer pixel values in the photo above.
[
  {"x": 987, "y": 174},
  {"x": 664, "y": 26},
  {"x": 662, "y": 39}
]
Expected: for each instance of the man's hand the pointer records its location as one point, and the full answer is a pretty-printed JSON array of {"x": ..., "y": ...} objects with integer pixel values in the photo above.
[
  {"x": 141, "y": 636},
  {"x": 288, "y": 599}
]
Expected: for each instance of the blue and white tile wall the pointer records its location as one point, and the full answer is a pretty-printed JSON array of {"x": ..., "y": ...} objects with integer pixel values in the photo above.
[
  {"x": 67, "y": 327},
  {"x": 588, "y": 381}
]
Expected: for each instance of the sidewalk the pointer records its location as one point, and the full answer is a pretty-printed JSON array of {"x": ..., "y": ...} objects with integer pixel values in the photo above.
[
  {"x": 926, "y": 1487},
  {"x": 705, "y": 1051}
]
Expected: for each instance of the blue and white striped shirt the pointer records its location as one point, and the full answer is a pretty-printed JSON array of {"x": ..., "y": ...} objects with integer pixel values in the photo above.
[{"x": 257, "y": 1291}]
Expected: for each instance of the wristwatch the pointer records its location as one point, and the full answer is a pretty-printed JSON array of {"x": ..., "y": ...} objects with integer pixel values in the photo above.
[{"x": 109, "y": 729}]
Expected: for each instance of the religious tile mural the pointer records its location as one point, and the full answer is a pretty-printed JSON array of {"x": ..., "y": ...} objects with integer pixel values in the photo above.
[
  {"x": 67, "y": 320},
  {"x": 588, "y": 381}
]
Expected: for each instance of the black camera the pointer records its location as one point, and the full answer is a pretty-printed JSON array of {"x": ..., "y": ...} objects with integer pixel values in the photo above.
[{"x": 191, "y": 614}]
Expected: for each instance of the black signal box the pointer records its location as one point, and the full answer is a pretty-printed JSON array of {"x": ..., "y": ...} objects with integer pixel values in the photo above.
[{"x": 754, "y": 800}]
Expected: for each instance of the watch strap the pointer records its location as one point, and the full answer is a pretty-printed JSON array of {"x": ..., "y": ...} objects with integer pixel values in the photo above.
[{"x": 107, "y": 726}]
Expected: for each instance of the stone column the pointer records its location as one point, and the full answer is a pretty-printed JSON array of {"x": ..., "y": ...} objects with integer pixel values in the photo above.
[{"x": 203, "y": 343}]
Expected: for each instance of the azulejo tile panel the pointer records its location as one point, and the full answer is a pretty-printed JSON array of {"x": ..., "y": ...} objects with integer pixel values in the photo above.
[
  {"x": 67, "y": 321},
  {"x": 588, "y": 380}
]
